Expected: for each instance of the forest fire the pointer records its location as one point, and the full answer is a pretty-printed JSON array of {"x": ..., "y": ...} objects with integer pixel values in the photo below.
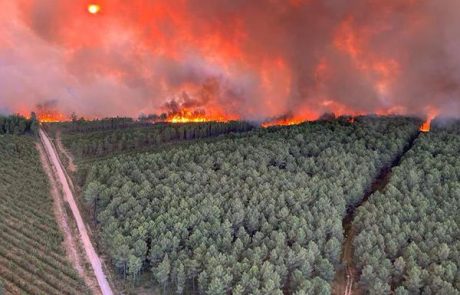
[
  {"x": 426, "y": 126},
  {"x": 198, "y": 116},
  {"x": 187, "y": 116},
  {"x": 282, "y": 122},
  {"x": 290, "y": 118},
  {"x": 51, "y": 117},
  {"x": 45, "y": 116},
  {"x": 181, "y": 118},
  {"x": 223, "y": 57},
  {"x": 48, "y": 112}
]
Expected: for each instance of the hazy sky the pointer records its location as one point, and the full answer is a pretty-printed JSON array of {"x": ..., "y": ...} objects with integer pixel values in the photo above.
[{"x": 247, "y": 59}]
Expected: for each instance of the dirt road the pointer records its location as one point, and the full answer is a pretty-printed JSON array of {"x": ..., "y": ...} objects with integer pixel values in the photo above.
[{"x": 68, "y": 196}]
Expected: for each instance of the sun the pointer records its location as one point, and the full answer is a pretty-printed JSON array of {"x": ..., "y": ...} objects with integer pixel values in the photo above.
[{"x": 94, "y": 8}]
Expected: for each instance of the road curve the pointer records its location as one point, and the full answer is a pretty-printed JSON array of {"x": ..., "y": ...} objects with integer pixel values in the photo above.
[{"x": 68, "y": 196}]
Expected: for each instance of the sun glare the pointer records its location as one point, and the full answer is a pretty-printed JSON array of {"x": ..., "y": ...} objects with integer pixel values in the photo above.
[{"x": 94, "y": 8}]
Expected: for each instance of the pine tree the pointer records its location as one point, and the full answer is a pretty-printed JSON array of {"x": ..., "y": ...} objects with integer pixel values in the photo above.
[
  {"x": 181, "y": 279},
  {"x": 162, "y": 272}
]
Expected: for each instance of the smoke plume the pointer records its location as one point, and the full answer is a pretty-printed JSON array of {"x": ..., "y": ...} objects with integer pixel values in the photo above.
[{"x": 231, "y": 58}]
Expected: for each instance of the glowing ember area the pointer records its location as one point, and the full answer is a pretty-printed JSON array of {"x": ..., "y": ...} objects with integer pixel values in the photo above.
[
  {"x": 281, "y": 123},
  {"x": 94, "y": 8}
]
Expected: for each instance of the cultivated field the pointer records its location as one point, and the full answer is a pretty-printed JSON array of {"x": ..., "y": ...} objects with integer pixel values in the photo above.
[{"x": 32, "y": 259}]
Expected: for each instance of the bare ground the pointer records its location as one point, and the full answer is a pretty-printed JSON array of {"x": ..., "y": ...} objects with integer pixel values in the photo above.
[
  {"x": 347, "y": 277},
  {"x": 70, "y": 161},
  {"x": 71, "y": 241}
]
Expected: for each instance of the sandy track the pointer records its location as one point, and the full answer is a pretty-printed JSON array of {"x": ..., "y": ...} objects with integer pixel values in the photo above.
[
  {"x": 71, "y": 164},
  {"x": 93, "y": 258},
  {"x": 70, "y": 241}
]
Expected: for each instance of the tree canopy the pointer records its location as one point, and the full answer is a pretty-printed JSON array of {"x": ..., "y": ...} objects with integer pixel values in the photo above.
[{"x": 260, "y": 214}]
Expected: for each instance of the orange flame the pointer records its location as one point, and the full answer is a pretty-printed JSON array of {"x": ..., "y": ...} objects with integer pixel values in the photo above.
[
  {"x": 426, "y": 126},
  {"x": 189, "y": 116},
  {"x": 44, "y": 114},
  {"x": 51, "y": 117},
  {"x": 282, "y": 122}
]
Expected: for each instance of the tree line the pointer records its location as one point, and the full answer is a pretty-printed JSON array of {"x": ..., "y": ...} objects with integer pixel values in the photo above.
[
  {"x": 81, "y": 125},
  {"x": 18, "y": 125},
  {"x": 255, "y": 215},
  {"x": 107, "y": 142}
]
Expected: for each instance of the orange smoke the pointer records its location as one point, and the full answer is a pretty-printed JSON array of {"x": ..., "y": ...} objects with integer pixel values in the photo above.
[
  {"x": 353, "y": 41},
  {"x": 231, "y": 59}
]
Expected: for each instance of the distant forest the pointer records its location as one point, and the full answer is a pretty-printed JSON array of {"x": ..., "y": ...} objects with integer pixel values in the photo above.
[
  {"x": 259, "y": 214},
  {"x": 81, "y": 125},
  {"x": 18, "y": 125}
]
